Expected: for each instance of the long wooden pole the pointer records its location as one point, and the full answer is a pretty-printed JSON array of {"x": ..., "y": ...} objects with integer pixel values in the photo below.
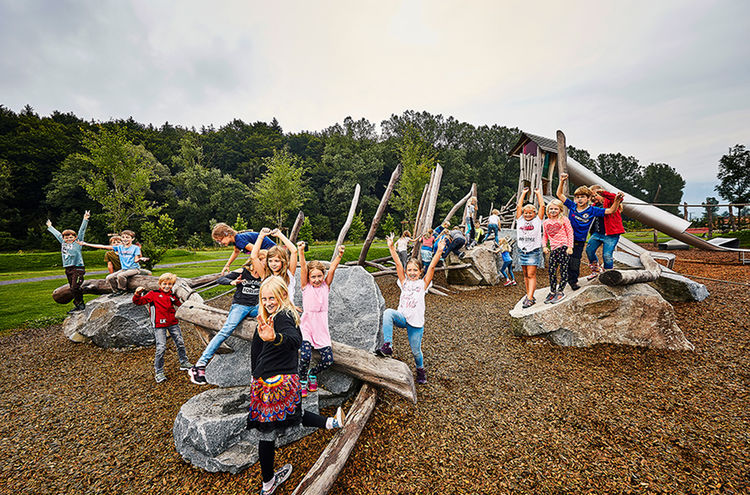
[
  {"x": 348, "y": 223},
  {"x": 379, "y": 214}
]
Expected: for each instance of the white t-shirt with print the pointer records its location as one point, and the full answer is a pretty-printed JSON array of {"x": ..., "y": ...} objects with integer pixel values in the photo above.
[{"x": 411, "y": 302}]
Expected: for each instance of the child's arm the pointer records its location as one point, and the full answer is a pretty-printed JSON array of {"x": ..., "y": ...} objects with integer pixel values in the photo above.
[
  {"x": 519, "y": 205},
  {"x": 334, "y": 265},
  {"x": 560, "y": 186},
  {"x": 540, "y": 198},
  {"x": 302, "y": 264},
  {"x": 615, "y": 205},
  {"x": 96, "y": 246},
  {"x": 399, "y": 268},
  {"x": 54, "y": 231},
  {"x": 258, "y": 267},
  {"x": 84, "y": 224},
  {"x": 431, "y": 269},
  {"x": 292, "y": 249}
]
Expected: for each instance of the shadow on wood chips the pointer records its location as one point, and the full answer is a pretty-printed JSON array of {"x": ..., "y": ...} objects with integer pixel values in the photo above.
[{"x": 499, "y": 414}]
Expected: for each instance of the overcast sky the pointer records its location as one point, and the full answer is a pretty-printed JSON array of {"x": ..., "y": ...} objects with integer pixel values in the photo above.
[{"x": 664, "y": 81}]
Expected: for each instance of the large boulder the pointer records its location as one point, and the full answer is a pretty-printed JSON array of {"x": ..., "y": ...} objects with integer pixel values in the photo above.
[
  {"x": 597, "y": 314},
  {"x": 210, "y": 430},
  {"x": 671, "y": 285},
  {"x": 111, "y": 322}
]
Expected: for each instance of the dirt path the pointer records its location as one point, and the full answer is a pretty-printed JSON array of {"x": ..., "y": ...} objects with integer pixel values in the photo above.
[{"x": 500, "y": 414}]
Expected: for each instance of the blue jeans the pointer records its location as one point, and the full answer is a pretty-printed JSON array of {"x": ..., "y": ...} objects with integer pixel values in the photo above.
[
  {"x": 608, "y": 243},
  {"x": 236, "y": 314},
  {"x": 160, "y": 335},
  {"x": 493, "y": 228},
  {"x": 392, "y": 317}
]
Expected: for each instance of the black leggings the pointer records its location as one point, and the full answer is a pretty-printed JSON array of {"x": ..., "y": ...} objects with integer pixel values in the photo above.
[
  {"x": 558, "y": 258},
  {"x": 326, "y": 360},
  {"x": 267, "y": 448}
]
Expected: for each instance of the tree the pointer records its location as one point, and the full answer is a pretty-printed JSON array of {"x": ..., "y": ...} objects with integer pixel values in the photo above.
[
  {"x": 357, "y": 229},
  {"x": 121, "y": 176},
  {"x": 734, "y": 175},
  {"x": 282, "y": 188},
  {"x": 157, "y": 239},
  {"x": 417, "y": 158},
  {"x": 671, "y": 182}
]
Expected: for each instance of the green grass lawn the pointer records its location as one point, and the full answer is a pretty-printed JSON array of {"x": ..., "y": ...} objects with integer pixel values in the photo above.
[{"x": 30, "y": 304}]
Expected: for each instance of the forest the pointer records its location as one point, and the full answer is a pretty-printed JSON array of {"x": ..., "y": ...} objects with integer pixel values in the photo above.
[{"x": 132, "y": 175}]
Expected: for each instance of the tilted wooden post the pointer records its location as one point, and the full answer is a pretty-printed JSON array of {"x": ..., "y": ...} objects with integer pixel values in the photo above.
[
  {"x": 348, "y": 223},
  {"x": 379, "y": 214},
  {"x": 297, "y": 226},
  {"x": 562, "y": 159}
]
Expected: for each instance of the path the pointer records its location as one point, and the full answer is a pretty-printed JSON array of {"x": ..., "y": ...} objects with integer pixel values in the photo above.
[{"x": 98, "y": 272}]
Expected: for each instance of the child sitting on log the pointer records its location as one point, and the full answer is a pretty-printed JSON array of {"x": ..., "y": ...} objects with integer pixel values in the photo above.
[
  {"x": 245, "y": 302},
  {"x": 275, "y": 398},
  {"x": 242, "y": 241},
  {"x": 411, "y": 308},
  {"x": 559, "y": 233},
  {"x": 316, "y": 284},
  {"x": 162, "y": 305},
  {"x": 507, "y": 268},
  {"x": 605, "y": 231},
  {"x": 72, "y": 258},
  {"x": 129, "y": 254},
  {"x": 529, "y": 239}
]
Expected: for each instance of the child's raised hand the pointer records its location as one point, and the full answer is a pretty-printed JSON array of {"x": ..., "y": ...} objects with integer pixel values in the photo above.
[
  {"x": 49, "y": 223},
  {"x": 87, "y": 215},
  {"x": 342, "y": 248}
]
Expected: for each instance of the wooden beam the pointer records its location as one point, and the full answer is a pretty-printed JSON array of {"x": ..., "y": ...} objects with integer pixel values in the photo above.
[
  {"x": 651, "y": 272},
  {"x": 348, "y": 223},
  {"x": 379, "y": 214},
  {"x": 297, "y": 225},
  {"x": 320, "y": 478}
]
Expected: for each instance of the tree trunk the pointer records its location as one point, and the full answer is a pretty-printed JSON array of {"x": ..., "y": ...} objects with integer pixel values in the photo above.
[
  {"x": 651, "y": 272},
  {"x": 320, "y": 478},
  {"x": 297, "y": 225},
  {"x": 347, "y": 224},
  {"x": 379, "y": 214}
]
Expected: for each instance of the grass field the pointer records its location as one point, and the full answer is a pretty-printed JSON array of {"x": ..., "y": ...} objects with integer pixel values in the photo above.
[{"x": 30, "y": 304}]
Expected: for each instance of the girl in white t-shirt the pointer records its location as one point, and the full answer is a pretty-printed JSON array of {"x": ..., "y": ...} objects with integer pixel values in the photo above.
[
  {"x": 529, "y": 241},
  {"x": 410, "y": 312}
]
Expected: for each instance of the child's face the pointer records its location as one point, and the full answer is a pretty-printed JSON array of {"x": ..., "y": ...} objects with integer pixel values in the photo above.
[
  {"x": 69, "y": 238},
  {"x": 581, "y": 200},
  {"x": 553, "y": 211},
  {"x": 316, "y": 278},
  {"x": 529, "y": 213},
  {"x": 126, "y": 239},
  {"x": 269, "y": 301},
  {"x": 166, "y": 285},
  {"x": 226, "y": 240},
  {"x": 412, "y": 272},
  {"x": 275, "y": 265}
]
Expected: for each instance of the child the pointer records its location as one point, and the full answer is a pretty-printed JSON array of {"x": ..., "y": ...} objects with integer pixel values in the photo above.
[
  {"x": 275, "y": 401},
  {"x": 426, "y": 253},
  {"x": 129, "y": 254},
  {"x": 162, "y": 305},
  {"x": 402, "y": 246},
  {"x": 558, "y": 231},
  {"x": 507, "y": 268},
  {"x": 581, "y": 216},
  {"x": 243, "y": 242},
  {"x": 279, "y": 262},
  {"x": 493, "y": 226},
  {"x": 606, "y": 232},
  {"x": 112, "y": 259},
  {"x": 245, "y": 302},
  {"x": 316, "y": 285},
  {"x": 72, "y": 259},
  {"x": 529, "y": 239},
  {"x": 410, "y": 312}
]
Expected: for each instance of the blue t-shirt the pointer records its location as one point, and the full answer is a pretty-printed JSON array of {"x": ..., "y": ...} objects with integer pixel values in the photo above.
[
  {"x": 245, "y": 238},
  {"x": 127, "y": 256},
  {"x": 581, "y": 220}
]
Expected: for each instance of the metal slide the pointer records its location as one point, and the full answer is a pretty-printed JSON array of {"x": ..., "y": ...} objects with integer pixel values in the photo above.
[{"x": 652, "y": 216}]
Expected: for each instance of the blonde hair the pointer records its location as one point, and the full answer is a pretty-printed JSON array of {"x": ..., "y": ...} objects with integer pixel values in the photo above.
[
  {"x": 279, "y": 252},
  {"x": 495, "y": 211},
  {"x": 280, "y": 291},
  {"x": 169, "y": 277},
  {"x": 582, "y": 191},
  {"x": 222, "y": 230}
]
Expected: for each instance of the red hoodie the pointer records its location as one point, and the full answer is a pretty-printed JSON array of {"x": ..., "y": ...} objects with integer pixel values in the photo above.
[
  {"x": 613, "y": 221},
  {"x": 161, "y": 306}
]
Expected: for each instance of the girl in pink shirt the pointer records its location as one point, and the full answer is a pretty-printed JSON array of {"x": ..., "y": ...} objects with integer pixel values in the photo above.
[
  {"x": 559, "y": 232},
  {"x": 316, "y": 284}
]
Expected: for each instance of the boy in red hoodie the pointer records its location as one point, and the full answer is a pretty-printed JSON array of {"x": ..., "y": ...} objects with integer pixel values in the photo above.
[{"x": 162, "y": 305}]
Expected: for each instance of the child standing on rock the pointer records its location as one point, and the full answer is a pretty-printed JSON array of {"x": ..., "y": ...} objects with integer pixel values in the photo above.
[
  {"x": 559, "y": 233},
  {"x": 529, "y": 239},
  {"x": 316, "y": 284},
  {"x": 72, "y": 258},
  {"x": 162, "y": 305},
  {"x": 275, "y": 398},
  {"x": 411, "y": 307}
]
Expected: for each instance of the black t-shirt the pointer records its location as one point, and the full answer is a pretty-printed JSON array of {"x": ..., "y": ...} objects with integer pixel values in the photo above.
[
  {"x": 247, "y": 290},
  {"x": 280, "y": 356}
]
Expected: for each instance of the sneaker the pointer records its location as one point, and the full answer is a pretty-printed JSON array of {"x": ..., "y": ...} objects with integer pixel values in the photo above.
[
  {"x": 197, "y": 375},
  {"x": 508, "y": 283},
  {"x": 558, "y": 297},
  {"x": 550, "y": 296},
  {"x": 312, "y": 383},
  {"x": 160, "y": 376},
  {"x": 385, "y": 350},
  {"x": 421, "y": 376},
  {"x": 338, "y": 419},
  {"x": 185, "y": 365},
  {"x": 303, "y": 388},
  {"x": 279, "y": 477},
  {"x": 527, "y": 303}
]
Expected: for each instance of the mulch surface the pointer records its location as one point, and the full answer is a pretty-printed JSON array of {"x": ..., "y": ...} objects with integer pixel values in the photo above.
[{"x": 499, "y": 414}]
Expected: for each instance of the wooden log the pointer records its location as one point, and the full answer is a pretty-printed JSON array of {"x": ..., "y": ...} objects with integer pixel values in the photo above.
[
  {"x": 348, "y": 223},
  {"x": 297, "y": 226},
  {"x": 379, "y": 214},
  {"x": 320, "y": 478},
  {"x": 456, "y": 207},
  {"x": 562, "y": 159},
  {"x": 651, "y": 272}
]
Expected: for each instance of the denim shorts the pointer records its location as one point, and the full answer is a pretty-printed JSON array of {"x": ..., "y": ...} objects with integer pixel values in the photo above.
[{"x": 532, "y": 257}]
